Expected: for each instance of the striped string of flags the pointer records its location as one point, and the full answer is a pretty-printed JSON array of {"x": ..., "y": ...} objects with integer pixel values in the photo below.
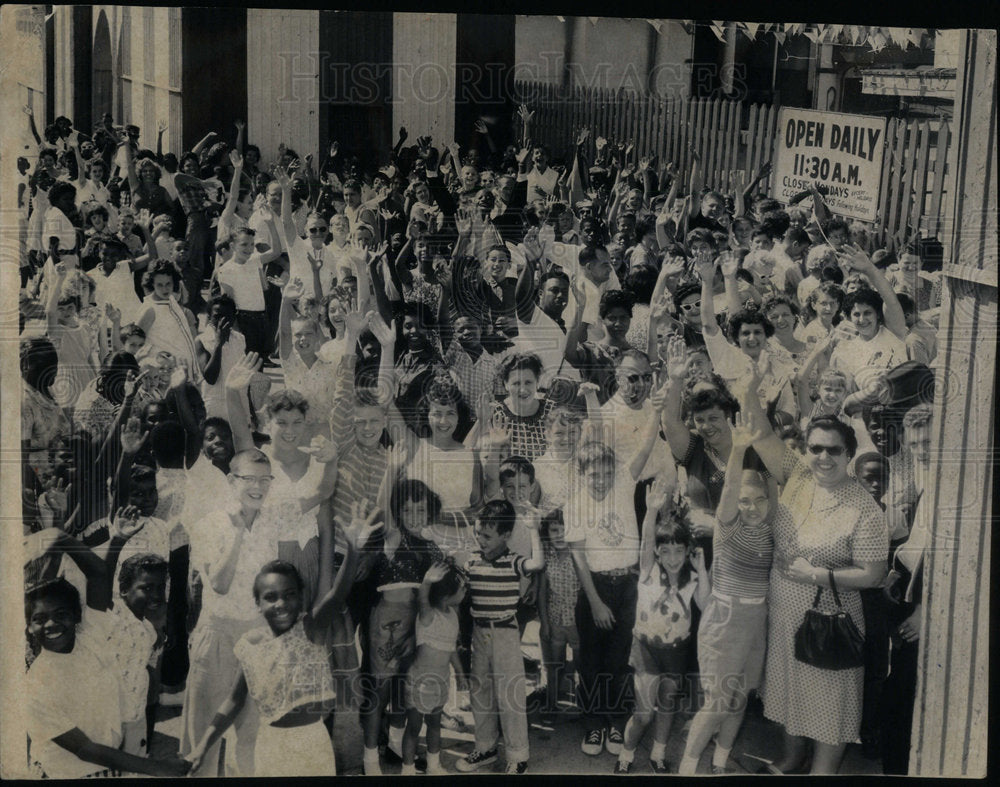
[{"x": 878, "y": 38}]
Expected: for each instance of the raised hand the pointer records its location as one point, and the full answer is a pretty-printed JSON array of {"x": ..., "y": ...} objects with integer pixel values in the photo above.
[
  {"x": 403, "y": 134},
  {"x": 242, "y": 373},
  {"x": 132, "y": 381},
  {"x": 161, "y": 126},
  {"x": 379, "y": 250},
  {"x": 525, "y": 114},
  {"x": 600, "y": 143},
  {"x": 480, "y": 127},
  {"x": 385, "y": 334},
  {"x": 295, "y": 289},
  {"x": 532, "y": 515},
  {"x": 240, "y": 125},
  {"x": 321, "y": 449},
  {"x": 178, "y": 377},
  {"x": 132, "y": 436},
  {"x": 281, "y": 177},
  {"x": 581, "y": 136},
  {"x": 436, "y": 573},
  {"x": 114, "y": 315},
  {"x": 730, "y": 263},
  {"x": 125, "y": 523},
  {"x": 522, "y": 155},
  {"x": 645, "y": 162},
  {"x": 532, "y": 245},
  {"x": 744, "y": 431},
  {"x": 705, "y": 267},
  {"x": 676, "y": 359},
  {"x": 57, "y": 495},
  {"x": 355, "y": 323},
  {"x": 659, "y": 494},
  {"x": 365, "y": 522},
  {"x": 463, "y": 222},
  {"x": 235, "y": 159},
  {"x": 399, "y": 455},
  {"x": 334, "y": 148},
  {"x": 855, "y": 258}
]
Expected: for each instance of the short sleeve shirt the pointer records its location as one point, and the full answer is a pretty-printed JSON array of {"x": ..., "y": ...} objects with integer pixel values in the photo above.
[
  {"x": 245, "y": 282},
  {"x": 608, "y": 527}
]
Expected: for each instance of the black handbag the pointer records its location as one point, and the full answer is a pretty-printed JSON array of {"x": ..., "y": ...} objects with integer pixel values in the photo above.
[{"x": 829, "y": 641}]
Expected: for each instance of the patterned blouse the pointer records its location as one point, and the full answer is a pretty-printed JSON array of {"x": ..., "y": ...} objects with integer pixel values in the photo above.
[{"x": 284, "y": 672}]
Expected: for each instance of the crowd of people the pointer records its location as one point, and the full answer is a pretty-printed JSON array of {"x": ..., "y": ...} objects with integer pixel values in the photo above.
[{"x": 300, "y": 438}]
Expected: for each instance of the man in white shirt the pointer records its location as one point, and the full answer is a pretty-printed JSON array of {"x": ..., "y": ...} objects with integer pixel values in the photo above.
[
  {"x": 627, "y": 414},
  {"x": 541, "y": 179}
]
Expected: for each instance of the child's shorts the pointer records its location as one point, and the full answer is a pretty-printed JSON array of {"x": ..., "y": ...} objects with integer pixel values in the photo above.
[
  {"x": 660, "y": 660},
  {"x": 561, "y": 636},
  {"x": 427, "y": 692}
]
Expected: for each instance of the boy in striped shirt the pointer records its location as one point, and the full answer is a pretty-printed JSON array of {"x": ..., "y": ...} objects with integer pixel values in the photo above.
[{"x": 494, "y": 583}]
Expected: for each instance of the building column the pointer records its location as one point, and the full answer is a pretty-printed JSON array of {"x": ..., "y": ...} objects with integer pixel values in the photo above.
[{"x": 950, "y": 723}]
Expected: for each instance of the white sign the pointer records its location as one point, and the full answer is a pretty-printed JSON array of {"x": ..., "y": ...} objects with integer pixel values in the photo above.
[{"x": 841, "y": 152}]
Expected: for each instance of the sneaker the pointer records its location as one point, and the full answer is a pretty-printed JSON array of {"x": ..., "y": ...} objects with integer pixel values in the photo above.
[
  {"x": 593, "y": 743},
  {"x": 660, "y": 767},
  {"x": 622, "y": 768},
  {"x": 391, "y": 757},
  {"x": 614, "y": 741},
  {"x": 516, "y": 768},
  {"x": 476, "y": 760}
]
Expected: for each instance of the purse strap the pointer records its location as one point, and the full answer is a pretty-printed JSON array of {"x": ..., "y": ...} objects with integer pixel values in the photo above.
[{"x": 833, "y": 587}]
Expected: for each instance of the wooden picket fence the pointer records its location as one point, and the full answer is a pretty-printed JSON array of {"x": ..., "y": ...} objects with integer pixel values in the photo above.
[{"x": 732, "y": 137}]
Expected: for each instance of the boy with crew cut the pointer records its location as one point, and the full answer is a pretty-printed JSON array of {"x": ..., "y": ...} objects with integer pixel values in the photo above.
[{"x": 497, "y": 680}]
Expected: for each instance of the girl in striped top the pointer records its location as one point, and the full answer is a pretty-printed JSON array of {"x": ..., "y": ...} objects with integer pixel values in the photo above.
[{"x": 732, "y": 636}]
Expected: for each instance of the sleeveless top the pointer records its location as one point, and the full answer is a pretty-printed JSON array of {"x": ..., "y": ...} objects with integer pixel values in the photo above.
[
  {"x": 662, "y": 614},
  {"x": 284, "y": 672},
  {"x": 441, "y": 633}
]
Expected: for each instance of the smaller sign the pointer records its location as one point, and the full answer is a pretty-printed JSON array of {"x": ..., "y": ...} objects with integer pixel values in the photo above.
[{"x": 841, "y": 152}]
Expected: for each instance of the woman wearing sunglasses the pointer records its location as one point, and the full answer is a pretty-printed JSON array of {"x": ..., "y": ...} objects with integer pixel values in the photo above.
[{"x": 828, "y": 530}]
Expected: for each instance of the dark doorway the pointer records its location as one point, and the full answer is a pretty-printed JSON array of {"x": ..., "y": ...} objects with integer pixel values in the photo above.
[
  {"x": 103, "y": 92},
  {"x": 355, "y": 81},
  {"x": 82, "y": 68},
  {"x": 214, "y": 78},
  {"x": 484, "y": 67}
]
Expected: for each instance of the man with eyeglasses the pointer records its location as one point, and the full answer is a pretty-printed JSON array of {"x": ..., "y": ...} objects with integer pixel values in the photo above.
[
  {"x": 305, "y": 254},
  {"x": 628, "y": 412}
]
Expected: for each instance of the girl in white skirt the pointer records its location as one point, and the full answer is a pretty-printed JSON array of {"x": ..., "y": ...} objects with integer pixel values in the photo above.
[{"x": 286, "y": 670}]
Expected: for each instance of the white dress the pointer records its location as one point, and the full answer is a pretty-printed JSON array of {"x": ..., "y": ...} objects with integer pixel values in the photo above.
[
  {"x": 283, "y": 673},
  {"x": 76, "y": 690}
]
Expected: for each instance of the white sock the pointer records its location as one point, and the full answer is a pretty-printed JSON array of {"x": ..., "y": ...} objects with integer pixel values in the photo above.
[
  {"x": 408, "y": 770},
  {"x": 433, "y": 761},
  {"x": 657, "y": 752},
  {"x": 721, "y": 756},
  {"x": 372, "y": 766},
  {"x": 688, "y": 766},
  {"x": 396, "y": 739},
  {"x": 627, "y": 755}
]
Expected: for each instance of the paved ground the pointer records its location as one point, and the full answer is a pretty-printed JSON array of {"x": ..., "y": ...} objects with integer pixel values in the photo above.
[{"x": 555, "y": 748}]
